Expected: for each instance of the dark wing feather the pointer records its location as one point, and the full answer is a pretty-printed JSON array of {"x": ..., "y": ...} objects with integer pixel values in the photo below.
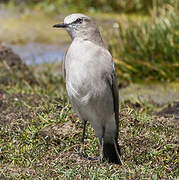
[
  {"x": 114, "y": 88},
  {"x": 115, "y": 93}
]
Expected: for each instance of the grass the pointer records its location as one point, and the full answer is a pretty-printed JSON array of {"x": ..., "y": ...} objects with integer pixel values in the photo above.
[
  {"x": 40, "y": 134},
  {"x": 30, "y": 27},
  {"x": 147, "y": 49}
]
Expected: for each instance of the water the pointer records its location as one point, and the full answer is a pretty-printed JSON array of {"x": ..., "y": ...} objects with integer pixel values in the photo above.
[{"x": 37, "y": 53}]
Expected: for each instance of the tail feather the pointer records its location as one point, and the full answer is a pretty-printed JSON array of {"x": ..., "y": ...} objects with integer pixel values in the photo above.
[{"x": 112, "y": 152}]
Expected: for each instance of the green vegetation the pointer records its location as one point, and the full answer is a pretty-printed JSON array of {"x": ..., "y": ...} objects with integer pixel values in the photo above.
[
  {"x": 147, "y": 49},
  {"x": 127, "y": 6},
  {"x": 31, "y": 27},
  {"x": 40, "y": 134}
]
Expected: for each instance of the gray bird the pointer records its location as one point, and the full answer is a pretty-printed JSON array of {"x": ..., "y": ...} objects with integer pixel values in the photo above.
[{"x": 91, "y": 83}]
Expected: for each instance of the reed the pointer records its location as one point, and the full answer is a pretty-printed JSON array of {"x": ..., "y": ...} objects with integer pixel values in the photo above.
[{"x": 148, "y": 49}]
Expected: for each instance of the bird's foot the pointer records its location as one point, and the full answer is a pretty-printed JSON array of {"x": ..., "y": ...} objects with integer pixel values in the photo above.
[{"x": 82, "y": 152}]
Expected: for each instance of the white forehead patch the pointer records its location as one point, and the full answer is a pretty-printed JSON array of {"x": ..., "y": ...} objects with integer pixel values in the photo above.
[{"x": 73, "y": 17}]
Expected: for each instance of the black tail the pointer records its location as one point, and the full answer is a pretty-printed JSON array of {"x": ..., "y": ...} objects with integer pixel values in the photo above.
[{"x": 112, "y": 152}]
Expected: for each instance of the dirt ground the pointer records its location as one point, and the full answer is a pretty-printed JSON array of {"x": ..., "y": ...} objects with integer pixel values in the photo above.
[{"x": 40, "y": 134}]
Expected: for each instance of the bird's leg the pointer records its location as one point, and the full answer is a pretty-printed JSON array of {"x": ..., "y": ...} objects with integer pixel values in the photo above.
[
  {"x": 84, "y": 130},
  {"x": 82, "y": 151},
  {"x": 101, "y": 143}
]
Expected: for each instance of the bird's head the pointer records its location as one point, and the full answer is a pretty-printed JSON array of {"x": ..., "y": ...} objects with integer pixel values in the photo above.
[{"x": 78, "y": 25}]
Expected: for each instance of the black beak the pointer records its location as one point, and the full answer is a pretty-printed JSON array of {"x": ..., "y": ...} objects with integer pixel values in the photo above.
[{"x": 62, "y": 25}]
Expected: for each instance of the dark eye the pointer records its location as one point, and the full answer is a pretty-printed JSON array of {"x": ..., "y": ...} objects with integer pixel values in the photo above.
[{"x": 79, "y": 20}]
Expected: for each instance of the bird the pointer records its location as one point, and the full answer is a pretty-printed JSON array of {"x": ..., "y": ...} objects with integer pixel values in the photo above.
[{"x": 91, "y": 83}]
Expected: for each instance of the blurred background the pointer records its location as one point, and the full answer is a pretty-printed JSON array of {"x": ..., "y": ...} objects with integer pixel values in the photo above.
[{"x": 143, "y": 36}]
